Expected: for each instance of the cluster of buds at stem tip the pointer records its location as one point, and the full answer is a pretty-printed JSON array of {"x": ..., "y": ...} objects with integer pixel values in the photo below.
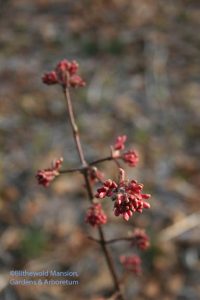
[
  {"x": 132, "y": 263},
  {"x": 95, "y": 215},
  {"x": 130, "y": 157},
  {"x": 65, "y": 74},
  {"x": 127, "y": 196},
  {"x": 45, "y": 176},
  {"x": 140, "y": 239}
]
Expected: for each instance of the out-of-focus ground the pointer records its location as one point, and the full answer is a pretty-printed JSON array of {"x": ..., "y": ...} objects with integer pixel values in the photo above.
[{"x": 141, "y": 61}]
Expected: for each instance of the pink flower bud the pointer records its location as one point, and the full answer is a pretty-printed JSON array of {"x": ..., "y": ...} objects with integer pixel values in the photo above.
[
  {"x": 50, "y": 78},
  {"x": 119, "y": 144},
  {"x": 95, "y": 215},
  {"x": 76, "y": 81},
  {"x": 63, "y": 65},
  {"x": 73, "y": 67},
  {"x": 127, "y": 196},
  {"x": 130, "y": 157},
  {"x": 131, "y": 263},
  {"x": 45, "y": 176},
  {"x": 64, "y": 74},
  {"x": 140, "y": 239},
  {"x": 126, "y": 216}
]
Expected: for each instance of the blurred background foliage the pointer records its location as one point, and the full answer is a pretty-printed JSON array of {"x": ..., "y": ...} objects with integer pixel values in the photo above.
[{"x": 141, "y": 61}]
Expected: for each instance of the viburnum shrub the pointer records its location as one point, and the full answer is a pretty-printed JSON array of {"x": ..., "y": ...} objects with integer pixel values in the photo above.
[{"x": 126, "y": 194}]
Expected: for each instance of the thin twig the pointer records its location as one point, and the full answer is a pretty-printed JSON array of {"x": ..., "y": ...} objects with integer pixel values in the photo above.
[
  {"x": 103, "y": 244},
  {"x": 72, "y": 170},
  {"x": 121, "y": 239},
  {"x": 81, "y": 169},
  {"x": 98, "y": 161},
  {"x": 114, "y": 296},
  {"x": 117, "y": 163},
  {"x": 74, "y": 126}
]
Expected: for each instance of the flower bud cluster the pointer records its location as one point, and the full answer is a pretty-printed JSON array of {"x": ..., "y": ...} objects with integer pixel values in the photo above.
[
  {"x": 127, "y": 196},
  {"x": 45, "y": 176},
  {"x": 95, "y": 215},
  {"x": 64, "y": 74},
  {"x": 131, "y": 263},
  {"x": 140, "y": 239}
]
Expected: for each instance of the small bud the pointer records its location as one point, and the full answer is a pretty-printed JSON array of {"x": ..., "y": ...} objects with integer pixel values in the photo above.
[
  {"x": 131, "y": 263},
  {"x": 140, "y": 239},
  {"x": 76, "y": 81},
  {"x": 95, "y": 215},
  {"x": 50, "y": 78},
  {"x": 45, "y": 176},
  {"x": 130, "y": 157},
  {"x": 119, "y": 144}
]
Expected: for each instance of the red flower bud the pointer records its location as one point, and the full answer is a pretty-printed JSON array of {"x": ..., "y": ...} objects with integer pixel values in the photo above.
[
  {"x": 127, "y": 196},
  {"x": 50, "y": 78},
  {"x": 119, "y": 144},
  {"x": 76, "y": 81},
  {"x": 64, "y": 74},
  {"x": 130, "y": 157},
  {"x": 45, "y": 176},
  {"x": 95, "y": 215},
  {"x": 131, "y": 263},
  {"x": 140, "y": 239}
]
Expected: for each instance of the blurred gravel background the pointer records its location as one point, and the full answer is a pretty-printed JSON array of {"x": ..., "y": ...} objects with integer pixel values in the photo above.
[{"x": 141, "y": 61}]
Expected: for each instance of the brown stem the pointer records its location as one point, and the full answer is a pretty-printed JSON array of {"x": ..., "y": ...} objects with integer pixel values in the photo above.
[
  {"x": 72, "y": 170},
  {"x": 117, "y": 163},
  {"x": 81, "y": 169},
  {"x": 98, "y": 161},
  {"x": 74, "y": 126},
  {"x": 126, "y": 239},
  {"x": 85, "y": 169},
  {"x": 103, "y": 245}
]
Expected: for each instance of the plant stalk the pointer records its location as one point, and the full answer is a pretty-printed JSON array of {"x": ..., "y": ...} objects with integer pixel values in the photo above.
[{"x": 89, "y": 189}]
